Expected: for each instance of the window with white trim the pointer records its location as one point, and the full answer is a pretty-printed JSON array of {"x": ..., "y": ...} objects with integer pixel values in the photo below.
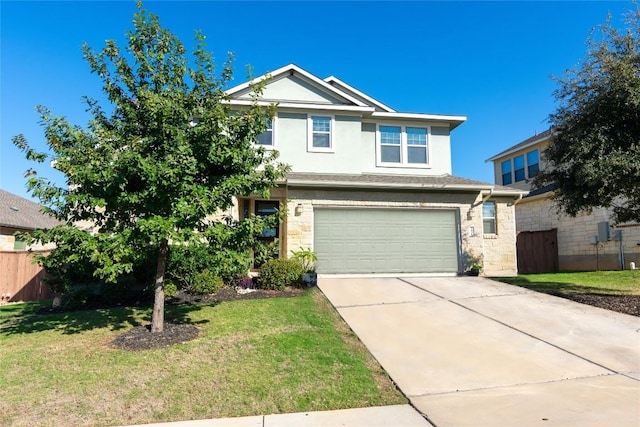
[
  {"x": 533, "y": 163},
  {"x": 505, "y": 168},
  {"x": 403, "y": 146},
  {"x": 265, "y": 139},
  {"x": 489, "y": 218},
  {"x": 516, "y": 169},
  {"x": 320, "y": 133}
]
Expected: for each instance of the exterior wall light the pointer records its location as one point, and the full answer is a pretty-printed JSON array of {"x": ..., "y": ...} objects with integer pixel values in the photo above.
[
  {"x": 299, "y": 209},
  {"x": 194, "y": 121}
]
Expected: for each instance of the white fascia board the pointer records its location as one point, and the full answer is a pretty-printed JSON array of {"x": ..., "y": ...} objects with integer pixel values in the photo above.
[
  {"x": 359, "y": 93},
  {"x": 295, "y": 69},
  {"x": 515, "y": 149},
  {"x": 300, "y": 106},
  {"x": 355, "y": 184},
  {"x": 453, "y": 121}
]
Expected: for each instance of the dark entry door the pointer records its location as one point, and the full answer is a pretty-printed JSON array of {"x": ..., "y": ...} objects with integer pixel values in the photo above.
[{"x": 537, "y": 251}]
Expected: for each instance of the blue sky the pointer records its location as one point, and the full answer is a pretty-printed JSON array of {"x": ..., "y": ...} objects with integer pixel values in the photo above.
[{"x": 489, "y": 61}]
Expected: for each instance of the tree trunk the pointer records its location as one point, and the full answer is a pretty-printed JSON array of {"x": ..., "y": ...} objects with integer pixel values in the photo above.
[{"x": 157, "y": 319}]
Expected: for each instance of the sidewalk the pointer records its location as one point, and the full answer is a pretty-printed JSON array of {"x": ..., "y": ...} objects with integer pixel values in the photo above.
[{"x": 378, "y": 416}]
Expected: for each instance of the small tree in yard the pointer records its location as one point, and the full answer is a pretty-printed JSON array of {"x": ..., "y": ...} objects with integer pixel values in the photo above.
[
  {"x": 153, "y": 171},
  {"x": 594, "y": 155}
]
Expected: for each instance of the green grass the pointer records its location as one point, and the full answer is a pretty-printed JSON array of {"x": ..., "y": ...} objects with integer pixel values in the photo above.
[
  {"x": 625, "y": 282},
  {"x": 252, "y": 357}
]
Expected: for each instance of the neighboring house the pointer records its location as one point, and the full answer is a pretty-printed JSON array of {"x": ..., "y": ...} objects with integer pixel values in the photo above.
[
  {"x": 549, "y": 241},
  {"x": 20, "y": 279},
  {"x": 18, "y": 214},
  {"x": 371, "y": 189}
]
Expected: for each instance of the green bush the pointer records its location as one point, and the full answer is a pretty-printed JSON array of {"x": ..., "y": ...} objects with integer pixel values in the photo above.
[
  {"x": 77, "y": 298},
  {"x": 277, "y": 274},
  {"x": 186, "y": 262},
  {"x": 206, "y": 282},
  {"x": 170, "y": 290}
]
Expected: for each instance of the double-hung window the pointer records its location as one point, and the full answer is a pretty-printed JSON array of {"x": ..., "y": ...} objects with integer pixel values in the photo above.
[
  {"x": 417, "y": 145},
  {"x": 489, "y": 218},
  {"x": 320, "y": 133},
  {"x": 266, "y": 139},
  {"x": 505, "y": 168},
  {"x": 533, "y": 163},
  {"x": 390, "y": 145},
  {"x": 403, "y": 146},
  {"x": 518, "y": 168}
]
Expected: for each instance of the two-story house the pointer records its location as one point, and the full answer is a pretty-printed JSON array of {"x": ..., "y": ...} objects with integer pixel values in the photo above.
[
  {"x": 371, "y": 189},
  {"x": 551, "y": 241}
]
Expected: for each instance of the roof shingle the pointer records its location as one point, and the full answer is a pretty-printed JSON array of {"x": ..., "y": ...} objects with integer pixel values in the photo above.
[{"x": 18, "y": 212}]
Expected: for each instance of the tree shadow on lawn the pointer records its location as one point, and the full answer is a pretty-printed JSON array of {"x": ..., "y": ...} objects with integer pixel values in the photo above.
[
  {"x": 75, "y": 322},
  {"x": 559, "y": 288}
]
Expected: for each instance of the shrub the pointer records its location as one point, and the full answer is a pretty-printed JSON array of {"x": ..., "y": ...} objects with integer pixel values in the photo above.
[
  {"x": 277, "y": 274},
  {"x": 307, "y": 258},
  {"x": 206, "y": 282},
  {"x": 186, "y": 262},
  {"x": 77, "y": 298},
  {"x": 170, "y": 290}
]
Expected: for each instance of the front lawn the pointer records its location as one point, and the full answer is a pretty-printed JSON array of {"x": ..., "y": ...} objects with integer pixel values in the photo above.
[
  {"x": 252, "y": 357},
  {"x": 626, "y": 282}
]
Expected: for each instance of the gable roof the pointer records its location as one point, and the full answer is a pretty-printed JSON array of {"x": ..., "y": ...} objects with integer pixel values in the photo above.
[
  {"x": 334, "y": 81},
  {"x": 328, "y": 94},
  {"x": 18, "y": 212},
  {"x": 293, "y": 70},
  {"x": 524, "y": 144}
]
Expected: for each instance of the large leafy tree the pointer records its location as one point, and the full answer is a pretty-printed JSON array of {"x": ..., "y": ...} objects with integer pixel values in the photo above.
[
  {"x": 152, "y": 170},
  {"x": 594, "y": 155}
]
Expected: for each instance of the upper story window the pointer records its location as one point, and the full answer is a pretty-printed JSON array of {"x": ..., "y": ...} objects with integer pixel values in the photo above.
[
  {"x": 320, "y": 133},
  {"x": 489, "y": 218},
  {"x": 506, "y": 172},
  {"x": 266, "y": 138},
  {"x": 403, "y": 146},
  {"x": 390, "y": 146},
  {"x": 516, "y": 169},
  {"x": 533, "y": 163}
]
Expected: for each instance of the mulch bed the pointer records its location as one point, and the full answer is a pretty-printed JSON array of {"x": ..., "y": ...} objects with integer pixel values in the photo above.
[
  {"x": 627, "y": 304},
  {"x": 141, "y": 338}
]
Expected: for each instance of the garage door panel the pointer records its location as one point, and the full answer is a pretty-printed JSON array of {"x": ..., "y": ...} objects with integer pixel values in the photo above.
[{"x": 385, "y": 240}]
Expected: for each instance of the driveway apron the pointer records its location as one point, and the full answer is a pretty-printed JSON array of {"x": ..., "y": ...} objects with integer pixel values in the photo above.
[{"x": 475, "y": 352}]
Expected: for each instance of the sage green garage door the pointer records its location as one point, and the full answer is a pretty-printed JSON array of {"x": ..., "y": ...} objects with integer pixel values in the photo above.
[{"x": 385, "y": 241}]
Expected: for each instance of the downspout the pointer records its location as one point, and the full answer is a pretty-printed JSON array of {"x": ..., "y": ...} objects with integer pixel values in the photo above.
[{"x": 488, "y": 196}]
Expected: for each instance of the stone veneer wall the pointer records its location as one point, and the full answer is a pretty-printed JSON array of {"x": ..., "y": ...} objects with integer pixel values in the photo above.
[
  {"x": 500, "y": 257},
  {"x": 575, "y": 252},
  {"x": 499, "y": 249}
]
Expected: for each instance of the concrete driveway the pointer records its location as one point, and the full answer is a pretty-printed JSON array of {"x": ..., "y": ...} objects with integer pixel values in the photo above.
[{"x": 473, "y": 352}]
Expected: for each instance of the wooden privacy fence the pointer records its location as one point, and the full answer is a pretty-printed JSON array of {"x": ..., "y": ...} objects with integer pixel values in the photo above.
[
  {"x": 537, "y": 251},
  {"x": 20, "y": 279}
]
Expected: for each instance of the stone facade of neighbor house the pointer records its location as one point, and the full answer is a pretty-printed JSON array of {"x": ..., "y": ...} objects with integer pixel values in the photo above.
[
  {"x": 576, "y": 237},
  {"x": 18, "y": 214},
  {"x": 371, "y": 189}
]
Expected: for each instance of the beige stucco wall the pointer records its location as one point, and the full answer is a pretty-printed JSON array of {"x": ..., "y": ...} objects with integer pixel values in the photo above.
[
  {"x": 526, "y": 184},
  {"x": 499, "y": 250},
  {"x": 575, "y": 252}
]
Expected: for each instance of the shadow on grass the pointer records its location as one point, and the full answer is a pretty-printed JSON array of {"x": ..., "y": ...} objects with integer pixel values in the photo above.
[
  {"x": 25, "y": 320},
  {"x": 558, "y": 288}
]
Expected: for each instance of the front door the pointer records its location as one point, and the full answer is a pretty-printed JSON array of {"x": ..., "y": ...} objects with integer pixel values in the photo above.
[{"x": 268, "y": 208}]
